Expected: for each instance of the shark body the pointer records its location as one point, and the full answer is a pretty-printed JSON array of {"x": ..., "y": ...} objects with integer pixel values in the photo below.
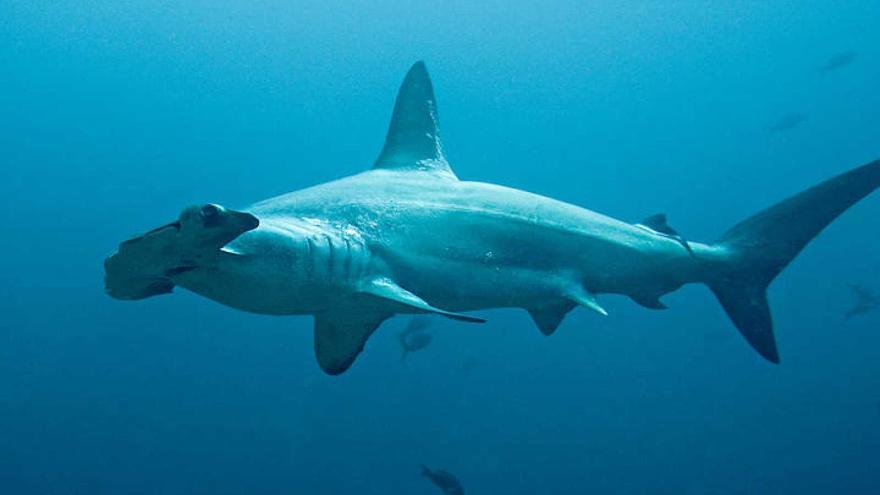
[{"x": 407, "y": 236}]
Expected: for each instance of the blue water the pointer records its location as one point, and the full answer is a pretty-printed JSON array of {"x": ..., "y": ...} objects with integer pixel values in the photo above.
[{"x": 115, "y": 115}]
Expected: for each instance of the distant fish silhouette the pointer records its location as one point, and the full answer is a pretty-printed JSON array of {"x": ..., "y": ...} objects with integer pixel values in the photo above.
[
  {"x": 788, "y": 122},
  {"x": 415, "y": 337},
  {"x": 443, "y": 480},
  {"x": 417, "y": 324},
  {"x": 468, "y": 364},
  {"x": 865, "y": 301},
  {"x": 837, "y": 61}
]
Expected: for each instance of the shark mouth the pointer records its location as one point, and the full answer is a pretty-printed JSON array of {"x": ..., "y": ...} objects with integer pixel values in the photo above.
[{"x": 179, "y": 269}]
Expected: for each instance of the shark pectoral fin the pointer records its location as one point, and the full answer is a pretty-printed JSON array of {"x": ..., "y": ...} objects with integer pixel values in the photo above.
[
  {"x": 340, "y": 335},
  {"x": 413, "y": 140},
  {"x": 549, "y": 317},
  {"x": 386, "y": 288},
  {"x": 586, "y": 299}
]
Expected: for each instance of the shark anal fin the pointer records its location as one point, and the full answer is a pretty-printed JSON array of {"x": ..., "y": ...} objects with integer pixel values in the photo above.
[
  {"x": 340, "y": 335},
  {"x": 386, "y": 288},
  {"x": 413, "y": 140},
  {"x": 549, "y": 317}
]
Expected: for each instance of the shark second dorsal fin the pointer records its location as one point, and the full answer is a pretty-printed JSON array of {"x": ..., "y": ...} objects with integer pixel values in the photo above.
[
  {"x": 658, "y": 223},
  {"x": 413, "y": 141}
]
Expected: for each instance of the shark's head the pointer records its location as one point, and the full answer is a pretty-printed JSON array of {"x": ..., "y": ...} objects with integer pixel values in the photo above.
[
  {"x": 211, "y": 226},
  {"x": 144, "y": 265}
]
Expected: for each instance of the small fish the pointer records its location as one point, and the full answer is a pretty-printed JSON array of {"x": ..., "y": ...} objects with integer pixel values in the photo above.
[
  {"x": 417, "y": 324},
  {"x": 837, "y": 61},
  {"x": 443, "y": 480},
  {"x": 865, "y": 301},
  {"x": 468, "y": 364},
  {"x": 788, "y": 122},
  {"x": 415, "y": 337}
]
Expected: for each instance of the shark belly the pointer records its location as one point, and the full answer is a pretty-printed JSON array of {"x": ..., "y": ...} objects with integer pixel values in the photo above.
[{"x": 472, "y": 264}]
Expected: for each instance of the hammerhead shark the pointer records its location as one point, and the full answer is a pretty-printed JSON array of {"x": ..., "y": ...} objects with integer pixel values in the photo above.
[{"x": 407, "y": 237}]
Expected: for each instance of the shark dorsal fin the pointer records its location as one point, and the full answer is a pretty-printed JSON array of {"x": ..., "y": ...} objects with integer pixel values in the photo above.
[
  {"x": 658, "y": 223},
  {"x": 413, "y": 141}
]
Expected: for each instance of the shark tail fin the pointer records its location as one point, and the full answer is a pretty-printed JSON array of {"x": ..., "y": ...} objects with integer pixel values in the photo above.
[{"x": 756, "y": 250}]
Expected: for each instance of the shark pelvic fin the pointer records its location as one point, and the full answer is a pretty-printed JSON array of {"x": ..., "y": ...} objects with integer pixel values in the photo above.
[
  {"x": 413, "y": 140},
  {"x": 386, "y": 288},
  {"x": 549, "y": 317},
  {"x": 586, "y": 299},
  {"x": 340, "y": 335},
  {"x": 650, "y": 301}
]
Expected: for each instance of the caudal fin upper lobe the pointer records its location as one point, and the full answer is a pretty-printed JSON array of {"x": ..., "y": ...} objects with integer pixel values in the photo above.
[{"x": 757, "y": 249}]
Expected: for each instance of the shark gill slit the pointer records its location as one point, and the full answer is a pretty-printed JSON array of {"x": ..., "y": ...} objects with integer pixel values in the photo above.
[
  {"x": 310, "y": 264},
  {"x": 347, "y": 263},
  {"x": 330, "y": 258}
]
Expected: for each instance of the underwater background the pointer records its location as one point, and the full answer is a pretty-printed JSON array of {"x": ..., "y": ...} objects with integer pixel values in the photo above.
[{"x": 115, "y": 115}]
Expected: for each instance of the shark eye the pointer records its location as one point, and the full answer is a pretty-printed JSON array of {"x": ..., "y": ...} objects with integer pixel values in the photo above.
[{"x": 209, "y": 212}]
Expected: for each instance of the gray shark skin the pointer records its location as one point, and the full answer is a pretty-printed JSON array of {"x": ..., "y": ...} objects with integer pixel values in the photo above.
[{"x": 407, "y": 236}]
